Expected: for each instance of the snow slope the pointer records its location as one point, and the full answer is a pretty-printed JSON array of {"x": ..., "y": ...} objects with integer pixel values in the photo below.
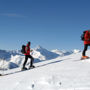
[{"x": 61, "y": 73}]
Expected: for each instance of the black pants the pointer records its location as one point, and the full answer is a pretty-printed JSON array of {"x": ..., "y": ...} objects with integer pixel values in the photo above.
[
  {"x": 85, "y": 49},
  {"x": 26, "y": 58}
]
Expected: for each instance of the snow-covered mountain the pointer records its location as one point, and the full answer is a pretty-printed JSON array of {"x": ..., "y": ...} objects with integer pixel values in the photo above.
[
  {"x": 4, "y": 54},
  {"x": 43, "y": 54},
  {"x": 12, "y": 59},
  {"x": 64, "y": 53}
]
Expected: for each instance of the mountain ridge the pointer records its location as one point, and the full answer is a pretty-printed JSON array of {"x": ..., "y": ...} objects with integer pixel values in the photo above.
[{"x": 14, "y": 58}]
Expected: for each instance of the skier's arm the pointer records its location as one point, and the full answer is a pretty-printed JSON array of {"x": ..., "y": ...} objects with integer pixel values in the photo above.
[
  {"x": 26, "y": 49},
  {"x": 31, "y": 50}
]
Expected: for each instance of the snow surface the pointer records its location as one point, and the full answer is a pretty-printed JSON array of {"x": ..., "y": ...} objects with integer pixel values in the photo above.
[{"x": 60, "y": 73}]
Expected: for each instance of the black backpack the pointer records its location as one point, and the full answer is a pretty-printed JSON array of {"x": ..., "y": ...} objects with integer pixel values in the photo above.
[
  {"x": 82, "y": 36},
  {"x": 23, "y": 49}
]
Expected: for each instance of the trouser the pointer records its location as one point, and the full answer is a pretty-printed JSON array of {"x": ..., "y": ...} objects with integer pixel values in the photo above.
[
  {"x": 85, "y": 49},
  {"x": 26, "y": 58}
]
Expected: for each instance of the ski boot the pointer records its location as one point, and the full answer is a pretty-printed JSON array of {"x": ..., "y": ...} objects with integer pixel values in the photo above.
[
  {"x": 31, "y": 67},
  {"x": 84, "y": 57},
  {"x": 24, "y": 68}
]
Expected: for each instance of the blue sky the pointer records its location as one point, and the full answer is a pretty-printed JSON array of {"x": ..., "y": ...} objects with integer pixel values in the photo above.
[{"x": 53, "y": 24}]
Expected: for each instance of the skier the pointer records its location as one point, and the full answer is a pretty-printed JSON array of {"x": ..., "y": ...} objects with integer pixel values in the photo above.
[
  {"x": 27, "y": 55},
  {"x": 86, "y": 44}
]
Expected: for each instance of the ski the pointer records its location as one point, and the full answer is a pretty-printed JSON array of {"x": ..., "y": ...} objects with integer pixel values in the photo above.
[{"x": 27, "y": 68}]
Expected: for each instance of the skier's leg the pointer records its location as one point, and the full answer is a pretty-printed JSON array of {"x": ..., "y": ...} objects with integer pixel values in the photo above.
[
  {"x": 31, "y": 62},
  {"x": 85, "y": 49},
  {"x": 26, "y": 58}
]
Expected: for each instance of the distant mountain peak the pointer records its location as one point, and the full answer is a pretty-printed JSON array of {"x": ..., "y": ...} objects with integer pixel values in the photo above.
[
  {"x": 76, "y": 51},
  {"x": 39, "y": 48}
]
